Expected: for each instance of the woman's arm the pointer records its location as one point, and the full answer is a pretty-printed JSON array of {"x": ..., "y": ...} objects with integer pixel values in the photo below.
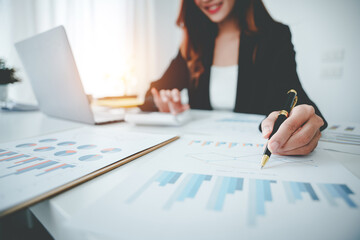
[
  {"x": 300, "y": 133},
  {"x": 175, "y": 77}
]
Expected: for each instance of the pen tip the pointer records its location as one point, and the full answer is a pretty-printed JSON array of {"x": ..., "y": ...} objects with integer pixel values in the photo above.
[{"x": 261, "y": 167}]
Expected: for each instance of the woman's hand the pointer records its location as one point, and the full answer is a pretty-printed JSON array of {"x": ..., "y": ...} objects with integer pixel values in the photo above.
[
  {"x": 169, "y": 101},
  {"x": 298, "y": 135}
]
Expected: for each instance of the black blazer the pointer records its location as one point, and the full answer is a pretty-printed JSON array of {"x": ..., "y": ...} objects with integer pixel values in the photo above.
[{"x": 262, "y": 85}]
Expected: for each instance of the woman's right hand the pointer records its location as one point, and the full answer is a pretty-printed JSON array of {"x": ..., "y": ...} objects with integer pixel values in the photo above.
[{"x": 169, "y": 101}]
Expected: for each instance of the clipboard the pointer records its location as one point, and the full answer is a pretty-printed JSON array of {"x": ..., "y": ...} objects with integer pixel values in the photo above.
[{"x": 64, "y": 187}]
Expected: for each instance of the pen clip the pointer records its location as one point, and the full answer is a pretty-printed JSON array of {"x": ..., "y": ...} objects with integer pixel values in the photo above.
[{"x": 294, "y": 103}]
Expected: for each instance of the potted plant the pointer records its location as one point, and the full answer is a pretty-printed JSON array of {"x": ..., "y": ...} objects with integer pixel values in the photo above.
[{"x": 7, "y": 76}]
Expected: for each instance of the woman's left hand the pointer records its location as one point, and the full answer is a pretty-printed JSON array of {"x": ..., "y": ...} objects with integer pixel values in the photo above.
[{"x": 298, "y": 135}]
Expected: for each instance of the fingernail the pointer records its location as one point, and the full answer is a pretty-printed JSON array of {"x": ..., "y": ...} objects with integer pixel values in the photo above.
[
  {"x": 266, "y": 130},
  {"x": 273, "y": 147}
]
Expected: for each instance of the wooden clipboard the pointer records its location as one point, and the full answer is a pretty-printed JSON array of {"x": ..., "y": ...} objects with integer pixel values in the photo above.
[{"x": 83, "y": 179}]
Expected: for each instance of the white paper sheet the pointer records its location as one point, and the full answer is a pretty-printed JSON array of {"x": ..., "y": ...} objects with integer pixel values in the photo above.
[
  {"x": 343, "y": 138},
  {"x": 212, "y": 188},
  {"x": 225, "y": 124},
  {"x": 31, "y": 167}
]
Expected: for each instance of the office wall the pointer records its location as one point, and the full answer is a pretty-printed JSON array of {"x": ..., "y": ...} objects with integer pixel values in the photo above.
[{"x": 326, "y": 35}]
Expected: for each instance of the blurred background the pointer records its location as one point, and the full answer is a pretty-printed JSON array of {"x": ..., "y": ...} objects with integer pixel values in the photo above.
[{"x": 120, "y": 46}]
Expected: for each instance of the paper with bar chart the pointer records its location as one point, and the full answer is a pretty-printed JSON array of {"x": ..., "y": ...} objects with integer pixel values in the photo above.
[
  {"x": 341, "y": 138},
  {"x": 213, "y": 189},
  {"x": 31, "y": 167}
]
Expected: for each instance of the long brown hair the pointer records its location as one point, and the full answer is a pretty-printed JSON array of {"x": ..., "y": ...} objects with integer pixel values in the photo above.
[{"x": 199, "y": 32}]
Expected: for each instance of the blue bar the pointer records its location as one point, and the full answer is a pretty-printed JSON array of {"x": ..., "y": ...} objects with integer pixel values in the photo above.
[
  {"x": 260, "y": 199},
  {"x": 296, "y": 191},
  {"x": 175, "y": 178},
  {"x": 234, "y": 144},
  {"x": 14, "y": 158},
  {"x": 7, "y": 154},
  {"x": 37, "y": 167},
  {"x": 289, "y": 192},
  {"x": 346, "y": 189},
  {"x": 2, "y": 150},
  {"x": 232, "y": 185},
  {"x": 327, "y": 194},
  {"x": 163, "y": 175},
  {"x": 144, "y": 187},
  {"x": 196, "y": 186},
  {"x": 208, "y": 177},
  {"x": 267, "y": 191},
  {"x": 62, "y": 167},
  {"x": 215, "y": 192},
  {"x": 222, "y": 193},
  {"x": 29, "y": 161},
  {"x": 188, "y": 187},
  {"x": 178, "y": 192},
  {"x": 301, "y": 187},
  {"x": 344, "y": 196},
  {"x": 223, "y": 186},
  {"x": 252, "y": 202},
  {"x": 332, "y": 190},
  {"x": 239, "y": 184},
  {"x": 311, "y": 191},
  {"x": 166, "y": 178}
]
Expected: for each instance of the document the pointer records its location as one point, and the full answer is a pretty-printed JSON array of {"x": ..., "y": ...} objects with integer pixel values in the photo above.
[
  {"x": 212, "y": 188},
  {"x": 225, "y": 124},
  {"x": 343, "y": 137},
  {"x": 33, "y": 167}
]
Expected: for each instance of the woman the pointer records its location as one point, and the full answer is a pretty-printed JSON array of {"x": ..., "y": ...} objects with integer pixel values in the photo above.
[{"x": 235, "y": 56}]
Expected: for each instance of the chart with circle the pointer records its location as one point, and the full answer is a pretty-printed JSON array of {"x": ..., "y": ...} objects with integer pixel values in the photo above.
[
  {"x": 25, "y": 145},
  {"x": 48, "y": 140},
  {"x": 65, "y": 153},
  {"x": 111, "y": 150},
  {"x": 92, "y": 157},
  {"x": 68, "y": 143},
  {"x": 43, "y": 149},
  {"x": 87, "y": 147}
]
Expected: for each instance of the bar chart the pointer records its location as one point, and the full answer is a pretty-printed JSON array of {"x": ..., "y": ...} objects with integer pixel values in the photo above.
[
  {"x": 224, "y": 144},
  {"x": 31, "y": 164},
  {"x": 258, "y": 192},
  {"x": 32, "y": 167}
]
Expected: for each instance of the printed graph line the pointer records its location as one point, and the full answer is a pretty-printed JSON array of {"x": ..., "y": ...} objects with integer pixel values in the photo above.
[
  {"x": 188, "y": 189},
  {"x": 259, "y": 194},
  {"x": 219, "y": 188},
  {"x": 337, "y": 191},
  {"x": 293, "y": 191},
  {"x": 162, "y": 177},
  {"x": 223, "y": 186}
]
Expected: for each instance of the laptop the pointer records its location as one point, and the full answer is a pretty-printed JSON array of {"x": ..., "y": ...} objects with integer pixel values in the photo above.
[{"x": 51, "y": 68}]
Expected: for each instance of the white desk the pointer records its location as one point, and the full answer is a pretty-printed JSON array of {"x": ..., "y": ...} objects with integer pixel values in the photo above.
[{"x": 55, "y": 212}]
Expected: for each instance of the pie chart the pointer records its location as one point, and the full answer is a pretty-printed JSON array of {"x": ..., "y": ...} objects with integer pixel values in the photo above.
[
  {"x": 65, "y": 153},
  {"x": 92, "y": 157},
  {"x": 43, "y": 149},
  {"x": 26, "y": 145},
  {"x": 87, "y": 147},
  {"x": 111, "y": 150},
  {"x": 68, "y": 143},
  {"x": 48, "y": 140}
]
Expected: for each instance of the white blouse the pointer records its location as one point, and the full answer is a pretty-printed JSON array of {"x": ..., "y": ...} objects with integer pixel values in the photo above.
[{"x": 223, "y": 86}]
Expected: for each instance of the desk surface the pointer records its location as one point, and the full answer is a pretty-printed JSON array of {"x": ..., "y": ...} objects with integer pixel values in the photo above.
[{"x": 55, "y": 212}]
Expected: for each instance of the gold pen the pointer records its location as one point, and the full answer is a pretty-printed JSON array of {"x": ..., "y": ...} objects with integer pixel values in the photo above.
[{"x": 283, "y": 115}]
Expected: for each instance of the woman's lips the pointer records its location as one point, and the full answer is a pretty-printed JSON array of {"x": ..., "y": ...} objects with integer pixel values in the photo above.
[{"x": 214, "y": 8}]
